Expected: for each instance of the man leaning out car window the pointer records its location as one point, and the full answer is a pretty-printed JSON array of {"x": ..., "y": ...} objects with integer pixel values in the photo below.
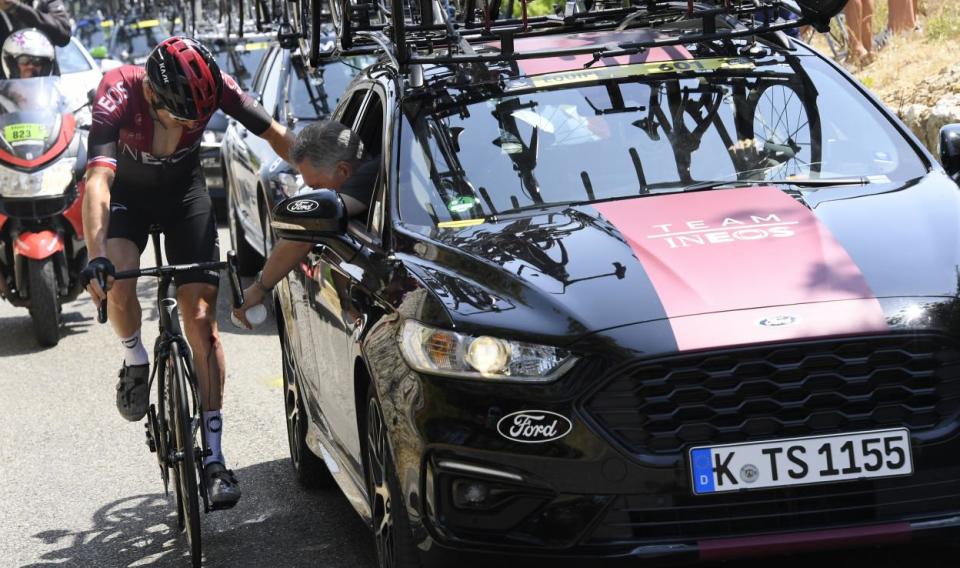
[{"x": 330, "y": 156}]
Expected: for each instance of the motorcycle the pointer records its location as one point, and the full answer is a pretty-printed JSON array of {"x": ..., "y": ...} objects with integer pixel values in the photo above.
[{"x": 42, "y": 156}]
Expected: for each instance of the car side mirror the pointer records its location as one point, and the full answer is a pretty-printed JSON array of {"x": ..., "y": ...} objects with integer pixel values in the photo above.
[
  {"x": 91, "y": 96},
  {"x": 310, "y": 216},
  {"x": 950, "y": 150},
  {"x": 317, "y": 216}
]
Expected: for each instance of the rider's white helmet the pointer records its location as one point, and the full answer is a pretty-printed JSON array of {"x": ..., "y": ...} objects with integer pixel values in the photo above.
[{"x": 28, "y": 47}]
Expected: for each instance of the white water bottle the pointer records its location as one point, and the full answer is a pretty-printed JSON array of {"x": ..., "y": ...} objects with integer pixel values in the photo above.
[{"x": 255, "y": 315}]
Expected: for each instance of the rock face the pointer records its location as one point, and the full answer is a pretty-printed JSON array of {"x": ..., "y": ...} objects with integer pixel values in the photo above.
[
  {"x": 926, "y": 121},
  {"x": 930, "y": 105}
]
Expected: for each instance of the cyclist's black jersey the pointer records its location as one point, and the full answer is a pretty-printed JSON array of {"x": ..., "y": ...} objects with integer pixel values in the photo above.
[{"x": 121, "y": 136}]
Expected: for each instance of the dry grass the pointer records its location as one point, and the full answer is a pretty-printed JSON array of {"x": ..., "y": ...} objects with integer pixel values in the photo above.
[{"x": 910, "y": 58}]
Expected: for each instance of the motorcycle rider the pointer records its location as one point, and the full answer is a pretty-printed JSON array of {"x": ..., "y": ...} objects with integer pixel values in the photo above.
[
  {"x": 27, "y": 54},
  {"x": 144, "y": 168},
  {"x": 48, "y": 16}
]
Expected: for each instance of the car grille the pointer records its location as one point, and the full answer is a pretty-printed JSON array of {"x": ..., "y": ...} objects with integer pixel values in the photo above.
[
  {"x": 665, "y": 518},
  {"x": 36, "y": 208},
  {"x": 660, "y": 407}
]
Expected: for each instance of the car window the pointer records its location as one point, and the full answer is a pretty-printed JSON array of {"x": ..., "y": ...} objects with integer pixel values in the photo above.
[
  {"x": 349, "y": 115},
  {"x": 370, "y": 126},
  {"x": 314, "y": 95},
  {"x": 587, "y": 140},
  {"x": 71, "y": 59},
  {"x": 272, "y": 87},
  {"x": 241, "y": 62},
  {"x": 132, "y": 42},
  {"x": 264, "y": 70}
]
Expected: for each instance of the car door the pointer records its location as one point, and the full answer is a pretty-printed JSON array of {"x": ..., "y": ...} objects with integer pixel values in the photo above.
[
  {"x": 239, "y": 165},
  {"x": 337, "y": 320},
  {"x": 255, "y": 152}
]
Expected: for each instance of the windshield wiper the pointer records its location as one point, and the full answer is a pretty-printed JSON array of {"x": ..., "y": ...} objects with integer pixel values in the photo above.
[{"x": 806, "y": 182}]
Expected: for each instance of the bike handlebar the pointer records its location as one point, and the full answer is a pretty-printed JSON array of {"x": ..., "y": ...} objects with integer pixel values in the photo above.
[{"x": 161, "y": 271}]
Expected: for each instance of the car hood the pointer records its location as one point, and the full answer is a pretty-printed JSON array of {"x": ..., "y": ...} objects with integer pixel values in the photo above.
[{"x": 743, "y": 265}]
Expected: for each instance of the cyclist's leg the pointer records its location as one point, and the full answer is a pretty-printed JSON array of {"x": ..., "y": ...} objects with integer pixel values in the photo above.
[
  {"x": 126, "y": 238},
  {"x": 123, "y": 306},
  {"x": 192, "y": 237}
]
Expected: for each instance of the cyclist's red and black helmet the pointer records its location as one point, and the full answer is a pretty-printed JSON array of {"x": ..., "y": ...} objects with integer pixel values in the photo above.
[{"x": 185, "y": 77}]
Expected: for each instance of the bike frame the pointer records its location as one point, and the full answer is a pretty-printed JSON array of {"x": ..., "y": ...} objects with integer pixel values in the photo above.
[{"x": 170, "y": 333}]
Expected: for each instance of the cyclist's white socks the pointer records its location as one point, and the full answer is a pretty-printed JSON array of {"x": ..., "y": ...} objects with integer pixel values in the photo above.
[
  {"x": 134, "y": 351},
  {"x": 212, "y": 429}
]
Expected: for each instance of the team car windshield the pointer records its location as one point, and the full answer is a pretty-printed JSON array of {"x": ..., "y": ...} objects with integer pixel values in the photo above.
[
  {"x": 571, "y": 141},
  {"x": 31, "y": 112}
]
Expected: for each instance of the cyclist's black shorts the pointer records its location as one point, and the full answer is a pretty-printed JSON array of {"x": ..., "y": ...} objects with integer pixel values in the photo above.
[{"x": 185, "y": 213}]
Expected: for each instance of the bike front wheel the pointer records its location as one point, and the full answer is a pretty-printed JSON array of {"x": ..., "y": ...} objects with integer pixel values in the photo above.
[{"x": 185, "y": 443}]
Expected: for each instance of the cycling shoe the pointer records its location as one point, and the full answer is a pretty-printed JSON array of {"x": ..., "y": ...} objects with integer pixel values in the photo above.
[
  {"x": 133, "y": 396},
  {"x": 223, "y": 489}
]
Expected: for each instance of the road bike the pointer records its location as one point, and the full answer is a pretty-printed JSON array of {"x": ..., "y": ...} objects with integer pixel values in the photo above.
[{"x": 173, "y": 423}]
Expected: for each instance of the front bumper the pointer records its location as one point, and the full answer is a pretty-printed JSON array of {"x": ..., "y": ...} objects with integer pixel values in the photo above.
[{"x": 593, "y": 495}]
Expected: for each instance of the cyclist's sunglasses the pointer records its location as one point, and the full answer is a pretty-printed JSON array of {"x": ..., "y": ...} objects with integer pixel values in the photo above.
[
  {"x": 159, "y": 105},
  {"x": 32, "y": 60}
]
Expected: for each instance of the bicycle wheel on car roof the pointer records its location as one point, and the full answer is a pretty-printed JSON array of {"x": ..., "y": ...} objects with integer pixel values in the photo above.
[
  {"x": 185, "y": 471},
  {"x": 784, "y": 122}
]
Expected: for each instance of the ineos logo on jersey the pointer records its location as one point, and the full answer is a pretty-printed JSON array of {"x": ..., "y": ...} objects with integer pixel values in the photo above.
[
  {"x": 302, "y": 206},
  {"x": 150, "y": 159},
  {"x": 730, "y": 230},
  {"x": 534, "y": 426},
  {"x": 115, "y": 95}
]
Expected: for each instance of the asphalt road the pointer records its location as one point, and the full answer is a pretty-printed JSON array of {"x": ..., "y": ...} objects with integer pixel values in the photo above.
[{"x": 79, "y": 488}]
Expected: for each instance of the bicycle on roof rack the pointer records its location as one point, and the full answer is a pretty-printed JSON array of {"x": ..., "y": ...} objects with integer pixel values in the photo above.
[{"x": 430, "y": 24}]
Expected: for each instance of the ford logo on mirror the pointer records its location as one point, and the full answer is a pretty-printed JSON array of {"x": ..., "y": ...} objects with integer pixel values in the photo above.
[
  {"x": 302, "y": 206},
  {"x": 534, "y": 426}
]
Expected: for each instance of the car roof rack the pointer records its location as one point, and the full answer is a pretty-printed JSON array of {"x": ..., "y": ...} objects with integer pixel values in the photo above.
[{"x": 433, "y": 32}]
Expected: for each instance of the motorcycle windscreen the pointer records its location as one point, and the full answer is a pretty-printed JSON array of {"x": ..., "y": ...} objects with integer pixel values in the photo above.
[{"x": 31, "y": 115}]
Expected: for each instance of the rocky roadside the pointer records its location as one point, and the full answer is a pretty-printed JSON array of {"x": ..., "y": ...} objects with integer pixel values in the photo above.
[{"x": 928, "y": 106}]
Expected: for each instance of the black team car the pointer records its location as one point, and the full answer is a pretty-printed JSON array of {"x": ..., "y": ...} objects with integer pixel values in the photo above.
[{"x": 643, "y": 284}]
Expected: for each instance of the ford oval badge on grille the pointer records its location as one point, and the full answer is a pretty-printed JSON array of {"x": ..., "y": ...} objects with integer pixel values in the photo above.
[
  {"x": 778, "y": 321},
  {"x": 534, "y": 426}
]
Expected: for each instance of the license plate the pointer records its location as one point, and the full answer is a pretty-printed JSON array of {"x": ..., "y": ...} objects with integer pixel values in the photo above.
[{"x": 801, "y": 461}]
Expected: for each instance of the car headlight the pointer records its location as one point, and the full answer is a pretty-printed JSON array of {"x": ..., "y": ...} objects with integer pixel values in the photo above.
[
  {"x": 452, "y": 354},
  {"x": 48, "y": 182},
  {"x": 290, "y": 184}
]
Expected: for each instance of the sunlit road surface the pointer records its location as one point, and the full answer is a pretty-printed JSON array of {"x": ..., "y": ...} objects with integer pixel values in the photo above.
[{"x": 78, "y": 486}]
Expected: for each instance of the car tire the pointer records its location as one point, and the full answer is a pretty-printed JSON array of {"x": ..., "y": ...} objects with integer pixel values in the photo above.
[
  {"x": 249, "y": 260},
  {"x": 311, "y": 471},
  {"x": 395, "y": 545}
]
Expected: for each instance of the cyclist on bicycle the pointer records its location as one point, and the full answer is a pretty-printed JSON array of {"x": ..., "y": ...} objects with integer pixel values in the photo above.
[{"x": 144, "y": 169}]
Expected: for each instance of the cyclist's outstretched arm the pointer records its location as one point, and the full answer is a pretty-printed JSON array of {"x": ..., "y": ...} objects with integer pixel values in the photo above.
[
  {"x": 251, "y": 115},
  {"x": 281, "y": 139}
]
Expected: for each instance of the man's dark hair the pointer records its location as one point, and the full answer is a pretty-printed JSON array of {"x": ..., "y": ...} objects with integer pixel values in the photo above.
[{"x": 325, "y": 143}]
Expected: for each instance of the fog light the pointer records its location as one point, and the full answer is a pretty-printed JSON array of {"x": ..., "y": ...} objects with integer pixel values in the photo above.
[{"x": 470, "y": 494}]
